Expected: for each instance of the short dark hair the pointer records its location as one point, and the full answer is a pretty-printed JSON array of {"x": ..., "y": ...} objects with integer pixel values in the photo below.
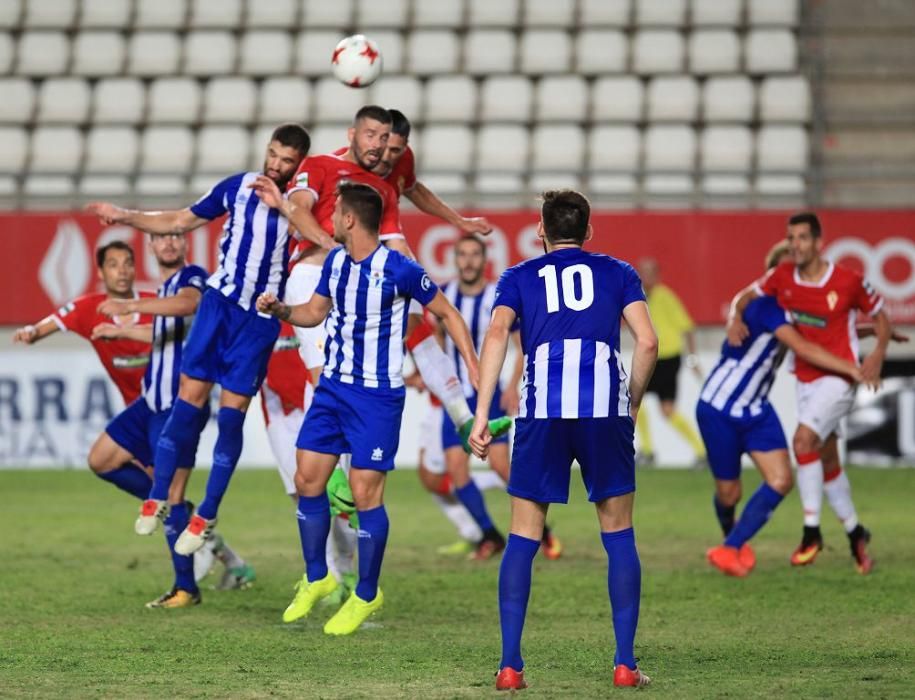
[
  {"x": 379, "y": 114},
  {"x": 101, "y": 252},
  {"x": 400, "y": 125},
  {"x": 294, "y": 136},
  {"x": 363, "y": 202},
  {"x": 809, "y": 218},
  {"x": 475, "y": 239},
  {"x": 565, "y": 215},
  {"x": 775, "y": 254}
]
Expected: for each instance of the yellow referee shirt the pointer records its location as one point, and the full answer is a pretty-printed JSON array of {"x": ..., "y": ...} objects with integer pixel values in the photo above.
[{"x": 670, "y": 320}]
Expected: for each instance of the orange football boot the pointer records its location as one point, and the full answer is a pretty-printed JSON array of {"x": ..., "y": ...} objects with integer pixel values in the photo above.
[
  {"x": 510, "y": 679},
  {"x": 726, "y": 560}
]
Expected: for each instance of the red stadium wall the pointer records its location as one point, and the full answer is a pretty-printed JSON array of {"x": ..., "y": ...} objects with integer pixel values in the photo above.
[{"x": 47, "y": 258}]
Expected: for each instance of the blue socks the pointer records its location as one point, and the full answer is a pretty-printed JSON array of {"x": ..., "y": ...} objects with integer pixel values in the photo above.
[
  {"x": 230, "y": 422},
  {"x": 725, "y": 515},
  {"x": 514, "y": 592},
  {"x": 313, "y": 515},
  {"x": 472, "y": 499},
  {"x": 181, "y": 430},
  {"x": 130, "y": 478},
  {"x": 755, "y": 514},
  {"x": 624, "y": 582},
  {"x": 373, "y": 536},
  {"x": 184, "y": 565}
]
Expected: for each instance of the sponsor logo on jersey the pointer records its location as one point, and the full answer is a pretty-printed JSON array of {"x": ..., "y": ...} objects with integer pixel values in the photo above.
[
  {"x": 286, "y": 342},
  {"x": 131, "y": 362},
  {"x": 805, "y": 319},
  {"x": 301, "y": 180}
]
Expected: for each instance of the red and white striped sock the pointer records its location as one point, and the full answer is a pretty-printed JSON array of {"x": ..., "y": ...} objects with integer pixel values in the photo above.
[
  {"x": 838, "y": 493},
  {"x": 810, "y": 486}
]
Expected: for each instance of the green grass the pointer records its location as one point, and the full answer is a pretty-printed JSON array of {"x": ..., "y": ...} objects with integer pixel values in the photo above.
[{"x": 75, "y": 577}]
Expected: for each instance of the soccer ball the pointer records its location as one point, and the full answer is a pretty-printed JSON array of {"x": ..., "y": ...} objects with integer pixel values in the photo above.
[{"x": 357, "y": 61}]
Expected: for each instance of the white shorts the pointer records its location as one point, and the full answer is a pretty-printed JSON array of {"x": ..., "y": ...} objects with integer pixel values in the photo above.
[
  {"x": 430, "y": 441},
  {"x": 302, "y": 282},
  {"x": 282, "y": 432},
  {"x": 823, "y": 403}
]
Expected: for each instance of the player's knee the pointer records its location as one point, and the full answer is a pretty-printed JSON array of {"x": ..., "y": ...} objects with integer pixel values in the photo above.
[
  {"x": 781, "y": 482},
  {"x": 99, "y": 461},
  {"x": 367, "y": 493},
  {"x": 728, "y": 493},
  {"x": 429, "y": 480},
  {"x": 667, "y": 408},
  {"x": 306, "y": 485}
]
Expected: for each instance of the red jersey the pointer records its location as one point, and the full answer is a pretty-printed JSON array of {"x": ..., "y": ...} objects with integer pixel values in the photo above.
[
  {"x": 824, "y": 312},
  {"x": 286, "y": 373},
  {"x": 320, "y": 175},
  {"x": 124, "y": 360},
  {"x": 403, "y": 175}
]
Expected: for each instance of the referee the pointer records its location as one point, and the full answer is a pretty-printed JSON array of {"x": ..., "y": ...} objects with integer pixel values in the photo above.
[{"x": 673, "y": 325}]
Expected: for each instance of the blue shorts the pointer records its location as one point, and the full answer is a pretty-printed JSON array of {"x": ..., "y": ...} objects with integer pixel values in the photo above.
[
  {"x": 545, "y": 448},
  {"x": 728, "y": 438},
  {"x": 345, "y": 418},
  {"x": 450, "y": 437},
  {"x": 137, "y": 430},
  {"x": 228, "y": 345}
]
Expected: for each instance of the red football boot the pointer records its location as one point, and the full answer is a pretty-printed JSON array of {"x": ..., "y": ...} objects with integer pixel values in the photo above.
[
  {"x": 625, "y": 677},
  {"x": 726, "y": 560},
  {"x": 510, "y": 679},
  {"x": 747, "y": 556}
]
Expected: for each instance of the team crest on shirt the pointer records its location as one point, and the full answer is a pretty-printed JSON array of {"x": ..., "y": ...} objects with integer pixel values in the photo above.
[
  {"x": 832, "y": 299},
  {"x": 377, "y": 278}
]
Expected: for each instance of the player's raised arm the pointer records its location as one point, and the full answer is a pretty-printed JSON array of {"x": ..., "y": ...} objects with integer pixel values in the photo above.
[
  {"x": 174, "y": 221},
  {"x": 492, "y": 357},
  {"x": 736, "y": 329},
  {"x": 296, "y": 208},
  {"x": 427, "y": 201},
  {"x": 645, "y": 354},
  {"x": 184, "y": 303},
  {"x": 34, "y": 332},
  {"x": 817, "y": 355},
  {"x": 306, "y": 315},
  {"x": 454, "y": 325},
  {"x": 112, "y": 331}
]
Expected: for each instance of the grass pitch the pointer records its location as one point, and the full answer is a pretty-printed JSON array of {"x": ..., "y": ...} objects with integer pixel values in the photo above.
[{"x": 75, "y": 578}]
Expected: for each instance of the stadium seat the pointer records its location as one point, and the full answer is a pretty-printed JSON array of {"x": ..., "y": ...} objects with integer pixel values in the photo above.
[
  {"x": 403, "y": 92},
  {"x": 782, "y": 13},
  {"x": 446, "y": 149},
  {"x": 391, "y": 13},
  {"x": 715, "y": 13},
  {"x": 206, "y": 14},
  {"x": 222, "y": 150},
  {"x": 660, "y": 13},
  {"x": 327, "y": 138},
  {"x": 276, "y": 14},
  {"x": 321, "y": 13},
  {"x": 785, "y": 99},
  {"x": 18, "y": 103},
  {"x": 617, "y": 99},
  {"x": 313, "y": 51},
  {"x": 599, "y": 51},
  {"x": 103, "y": 185},
  {"x": 391, "y": 44},
  {"x": 770, "y": 51},
  {"x": 432, "y": 51},
  {"x": 14, "y": 148},
  {"x": 98, "y": 53},
  {"x": 604, "y": 13},
  {"x": 601, "y": 186},
  {"x": 441, "y": 13},
  {"x": 6, "y": 53},
  {"x": 105, "y": 14},
  {"x": 558, "y": 147},
  {"x": 713, "y": 51},
  {"x": 166, "y": 150},
  {"x": 726, "y": 149},
  {"x": 545, "y": 51},
  {"x": 780, "y": 185},
  {"x": 10, "y": 13},
  {"x": 285, "y": 99},
  {"x": 500, "y": 189},
  {"x": 548, "y": 13},
  {"x": 335, "y": 102},
  {"x": 673, "y": 98},
  {"x": 59, "y": 14},
  {"x": 265, "y": 53},
  {"x": 229, "y": 100},
  {"x": 451, "y": 98},
  {"x": 42, "y": 53},
  {"x": 486, "y": 13},
  {"x": 49, "y": 186},
  {"x": 260, "y": 139},
  {"x": 501, "y": 148},
  {"x": 670, "y": 148},
  {"x": 657, "y": 51},
  {"x": 118, "y": 101},
  {"x": 63, "y": 101},
  {"x": 728, "y": 99},
  {"x": 450, "y": 186},
  {"x": 506, "y": 98},
  {"x": 56, "y": 149},
  {"x": 562, "y": 98},
  {"x": 667, "y": 186},
  {"x": 161, "y": 14},
  {"x": 725, "y": 185},
  {"x": 614, "y": 149},
  {"x": 540, "y": 181},
  {"x": 781, "y": 149},
  {"x": 173, "y": 101},
  {"x": 153, "y": 53},
  {"x": 489, "y": 51},
  {"x": 111, "y": 150},
  {"x": 209, "y": 53},
  {"x": 163, "y": 186}
]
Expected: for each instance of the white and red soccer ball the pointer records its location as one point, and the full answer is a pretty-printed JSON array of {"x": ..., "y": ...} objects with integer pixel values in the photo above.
[{"x": 356, "y": 61}]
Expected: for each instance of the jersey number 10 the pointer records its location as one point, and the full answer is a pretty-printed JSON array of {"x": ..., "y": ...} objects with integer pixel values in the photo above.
[{"x": 570, "y": 298}]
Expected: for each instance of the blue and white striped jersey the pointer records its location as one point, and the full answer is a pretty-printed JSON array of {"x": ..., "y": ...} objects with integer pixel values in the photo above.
[
  {"x": 254, "y": 248},
  {"x": 160, "y": 384},
  {"x": 476, "y": 310},
  {"x": 366, "y": 325},
  {"x": 740, "y": 383},
  {"x": 570, "y": 303}
]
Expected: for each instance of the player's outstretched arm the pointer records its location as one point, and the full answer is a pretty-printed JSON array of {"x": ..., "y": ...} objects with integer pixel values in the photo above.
[
  {"x": 492, "y": 357},
  {"x": 297, "y": 210},
  {"x": 111, "y": 331},
  {"x": 184, "y": 303},
  {"x": 816, "y": 355},
  {"x": 511, "y": 399},
  {"x": 307, "y": 315},
  {"x": 872, "y": 365},
  {"x": 869, "y": 332},
  {"x": 32, "y": 333},
  {"x": 645, "y": 354},
  {"x": 427, "y": 201},
  {"x": 736, "y": 329},
  {"x": 456, "y": 327},
  {"x": 174, "y": 221}
]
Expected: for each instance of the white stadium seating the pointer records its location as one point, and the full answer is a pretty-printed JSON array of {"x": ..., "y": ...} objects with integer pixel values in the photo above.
[
  {"x": 604, "y": 13},
  {"x": 42, "y": 53},
  {"x": 313, "y": 50},
  {"x": 161, "y": 14},
  {"x": 265, "y": 53},
  {"x": 715, "y": 13},
  {"x": 58, "y": 14},
  {"x": 390, "y": 13},
  {"x": 506, "y": 98},
  {"x": 276, "y": 14},
  {"x": 446, "y": 148},
  {"x": 559, "y": 147},
  {"x": 714, "y": 51},
  {"x": 728, "y": 99},
  {"x": 63, "y": 101},
  {"x": 489, "y": 51},
  {"x": 657, "y": 51},
  {"x": 98, "y": 53},
  {"x": 18, "y": 103},
  {"x": 502, "y": 148},
  {"x": 548, "y": 13},
  {"x": 105, "y": 14},
  {"x": 153, "y": 53},
  {"x": 166, "y": 150},
  {"x": 432, "y": 51},
  {"x": 441, "y": 13},
  {"x": 770, "y": 51},
  {"x": 673, "y": 98},
  {"x": 206, "y": 14},
  {"x": 599, "y": 51},
  {"x": 111, "y": 150},
  {"x": 284, "y": 99},
  {"x": 14, "y": 148},
  {"x": 660, "y": 13},
  {"x": 561, "y": 98},
  {"x": 209, "y": 53},
  {"x": 784, "y": 98},
  {"x": 486, "y": 13},
  {"x": 545, "y": 51},
  {"x": 617, "y": 99},
  {"x": 229, "y": 101},
  {"x": 173, "y": 101},
  {"x": 781, "y": 13},
  {"x": 56, "y": 149},
  {"x": 449, "y": 98},
  {"x": 403, "y": 92},
  {"x": 118, "y": 101}
]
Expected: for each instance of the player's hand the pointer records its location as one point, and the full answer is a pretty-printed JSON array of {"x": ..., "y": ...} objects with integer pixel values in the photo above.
[
  {"x": 870, "y": 370},
  {"x": 475, "y": 224},
  {"x": 268, "y": 192},
  {"x": 267, "y": 303},
  {"x": 114, "y": 307},
  {"x": 480, "y": 437},
  {"x": 510, "y": 401},
  {"x": 108, "y": 213},
  {"x": 415, "y": 380},
  {"x": 737, "y": 331},
  {"x": 26, "y": 334},
  {"x": 898, "y": 337},
  {"x": 106, "y": 331},
  {"x": 856, "y": 375}
]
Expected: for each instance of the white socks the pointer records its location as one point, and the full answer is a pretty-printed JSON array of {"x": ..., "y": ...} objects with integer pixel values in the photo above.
[
  {"x": 810, "y": 487},
  {"x": 838, "y": 492},
  {"x": 460, "y": 518},
  {"x": 487, "y": 479},
  {"x": 439, "y": 375}
]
